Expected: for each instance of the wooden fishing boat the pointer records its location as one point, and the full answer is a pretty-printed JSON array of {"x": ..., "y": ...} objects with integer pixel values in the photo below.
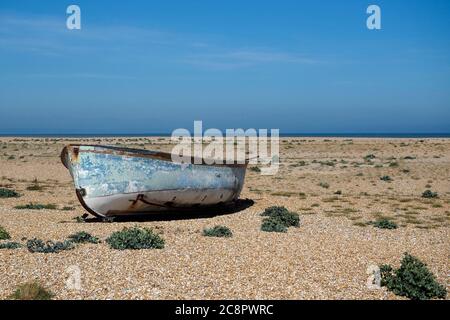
[{"x": 111, "y": 181}]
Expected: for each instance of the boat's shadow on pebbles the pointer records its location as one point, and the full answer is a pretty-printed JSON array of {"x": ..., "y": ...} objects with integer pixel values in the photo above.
[{"x": 184, "y": 214}]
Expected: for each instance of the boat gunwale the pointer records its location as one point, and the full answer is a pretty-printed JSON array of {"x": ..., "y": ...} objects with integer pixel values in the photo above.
[{"x": 141, "y": 153}]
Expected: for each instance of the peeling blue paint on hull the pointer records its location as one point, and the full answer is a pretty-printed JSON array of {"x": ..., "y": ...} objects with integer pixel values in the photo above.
[{"x": 113, "y": 181}]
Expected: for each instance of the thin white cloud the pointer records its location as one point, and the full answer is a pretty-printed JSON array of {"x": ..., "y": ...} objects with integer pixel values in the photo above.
[
  {"x": 48, "y": 36},
  {"x": 87, "y": 75},
  {"x": 12, "y": 21},
  {"x": 246, "y": 57},
  {"x": 265, "y": 56}
]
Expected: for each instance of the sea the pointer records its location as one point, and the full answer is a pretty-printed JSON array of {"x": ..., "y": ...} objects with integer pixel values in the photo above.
[{"x": 306, "y": 135}]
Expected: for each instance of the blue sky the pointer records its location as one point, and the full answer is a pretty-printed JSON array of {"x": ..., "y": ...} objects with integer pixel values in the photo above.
[{"x": 154, "y": 66}]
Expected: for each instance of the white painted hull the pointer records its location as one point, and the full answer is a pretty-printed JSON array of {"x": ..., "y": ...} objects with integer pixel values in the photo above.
[{"x": 156, "y": 201}]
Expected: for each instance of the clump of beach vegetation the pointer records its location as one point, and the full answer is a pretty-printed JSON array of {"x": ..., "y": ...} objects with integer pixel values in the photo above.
[
  {"x": 384, "y": 224},
  {"x": 218, "y": 231},
  {"x": 35, "y": 186},
  {"x": 279, "y": 219},
  {"x": 8, "y": 193},
  {"x": 31, "y": 291},
  {"x": 429, "y": 194},
  {"x": 37, "y": 245},
  {"x": 83, "y": 237},
  {"x": 37, "y": 206},
  {"x": 135, "y": 238},
  {"x": 412, "y": 280},
  {"x": 4, "y": 235},
  {"x": 10, "y": 245},
  {"x": 272, "y": 225}
]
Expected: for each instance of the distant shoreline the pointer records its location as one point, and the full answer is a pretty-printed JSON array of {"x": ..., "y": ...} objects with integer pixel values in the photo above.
[{"x": 283, "y": 135}]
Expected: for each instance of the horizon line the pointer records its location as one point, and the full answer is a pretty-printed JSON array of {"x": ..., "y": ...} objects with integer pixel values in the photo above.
[{"x": 287, "y": 134}]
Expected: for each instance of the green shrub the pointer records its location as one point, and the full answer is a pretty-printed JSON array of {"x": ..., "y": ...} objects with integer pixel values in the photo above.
[
  {"x": 4, "y": 235},
  {"x": 385, "y": 272},
  {"x": 10, "y": 245},
  {"x": 32, "y": 291},
  {"x": 272, "y": 225},
  {"x": 255, "y": 169},
  {"x": 412, "y": 280},
  {"x": 83, "y": 237},
  {"x": 68, "y": 208},
  {"x": 429, "y": 194},
  {"x": 8, "y": 193},
  {"x": 286, "y": 217},
  {"x": 278, "y": 219},
  {"x": 135, "y": 238},
  {"x": 218, "y": 231},
  {"x": 37, "y": 206},
  {"x": 37, "y": 245},
  {"x": 386, "y": 178},
  {"x": 384, "y": 224}
]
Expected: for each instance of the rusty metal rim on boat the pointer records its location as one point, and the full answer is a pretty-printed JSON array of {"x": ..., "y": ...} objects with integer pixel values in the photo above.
[{"x": 74, "y": 150}]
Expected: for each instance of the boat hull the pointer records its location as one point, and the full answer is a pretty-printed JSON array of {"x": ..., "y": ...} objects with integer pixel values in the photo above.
[{"x": 113, "y": 181}]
